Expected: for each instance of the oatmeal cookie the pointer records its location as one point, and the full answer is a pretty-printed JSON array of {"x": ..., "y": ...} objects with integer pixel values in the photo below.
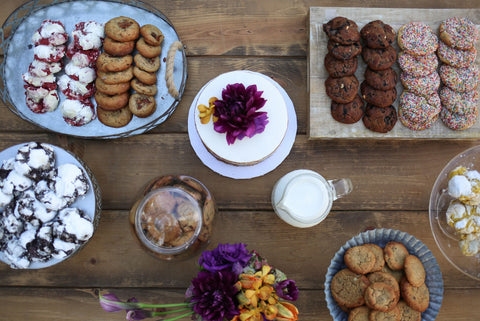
[
  {"x": 379, "y": 98},
  {"x": 407, "y": 313},
  {"x": 107, "y": 62},
  {"x": 342, "y": 90},
  {"x": 147, "y": 64},
  {"x": 385, "y": 278},
  {"x": 381, "y": 79},
  {"x": 359, "y": 259},
  {"x": 340, "y": 68},
  {"x": 344, "y": 52},
  {"x": 348, "y": 288},
  {"x": 414, "y": 270},
  {"x": 379, "y": 59},
  {"x": 380, "y": 119},
  {"x": 348, "y": 113},
  {"x": 359, "y": 314},
  {"x": 115, "y": 118},
  {"x": 118, "y": 48},
  {"x": 392, "y": 315},
  {"x": 395, "y": 254},
  {"x": 342, "y": 30},
  {"x": 377, "y": 34},
  {"x": 378, "y": 252},
  {"x": 418, "y": 298},
  {"x": 122, "y": 29},
  {"x": 152, "y": 35},
  {"x": 381, "y": 297}
]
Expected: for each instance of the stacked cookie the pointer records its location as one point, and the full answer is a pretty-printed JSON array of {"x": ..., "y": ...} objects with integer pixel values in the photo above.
[
  {"x": 459, "y": 73},
  {"x": 115, "y": 70},
  {"x": 381, "y": 283},
  {"x": 419, "y": 105},
  {"x": 77, "y": 84},
  {"x": 40, "y": 82},
  {"x": 147, "y": 62},
  {"x": 341, "y": 63},
  {"x": 378, "y": 88}
]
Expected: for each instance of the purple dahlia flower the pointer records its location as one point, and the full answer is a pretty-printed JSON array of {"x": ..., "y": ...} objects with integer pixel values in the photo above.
[
  {"x": 287, "y": 290},
  {"x": 233, "y": 257},
  {"x": 237, "y": 112},
  {"x": 213, "y": 295}
]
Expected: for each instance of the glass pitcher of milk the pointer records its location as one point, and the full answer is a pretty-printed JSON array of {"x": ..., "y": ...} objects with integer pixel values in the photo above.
[{"x": 303, "y": 198}]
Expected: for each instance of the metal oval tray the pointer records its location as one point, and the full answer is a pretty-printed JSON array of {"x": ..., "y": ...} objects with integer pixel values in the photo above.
[{"x": 18, "y": 53}]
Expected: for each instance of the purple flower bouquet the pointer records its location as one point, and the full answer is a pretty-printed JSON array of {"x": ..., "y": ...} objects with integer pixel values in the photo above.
[{"x": 233, "y": 284}]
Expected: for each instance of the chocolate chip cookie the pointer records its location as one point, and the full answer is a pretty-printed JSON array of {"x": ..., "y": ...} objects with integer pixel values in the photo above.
[
  {"x": 342, "y": 90},
  {"x": 348, "y": 113},
  {"x": 379, "y": 59},
  {"x": 342, "y": 30},
  {"x": 381, "y": 79},
  {"x": 344, "y": 52},
  {"x": 380, "y": 119},
  {"x": 379, "y": 98},
  {"x": 377, "y": 34},
  {"x": 340, "y": 68}
]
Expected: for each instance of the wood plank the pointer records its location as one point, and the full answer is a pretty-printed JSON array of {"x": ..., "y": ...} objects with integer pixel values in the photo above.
[
  {"x": 383, "y": 167},
  {"x": 52, "y": 304},
  {"x": 113, "y": 258}
]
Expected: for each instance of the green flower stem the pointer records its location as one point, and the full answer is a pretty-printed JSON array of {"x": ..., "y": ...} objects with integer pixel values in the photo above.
[
  {"x": 171, "y": 311},
  {"x": 171, "y": 305},
  {"x": 180, "y": 316}
]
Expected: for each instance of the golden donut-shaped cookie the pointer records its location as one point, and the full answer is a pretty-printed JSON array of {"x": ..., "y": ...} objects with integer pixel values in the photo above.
[
  {"x": 122, "y": 29},
  {"x": 115, "y": 118},
  {"x": 147, "y": 64},
  {"x": 111, "y": 89},
  {"x": 116, "y": 77},
  {"x": 147, "y": 50},
  {"x": 111, "y": 102},
  {"x": 142, "y": 105},
  {"x": 141, "y": 88},
  {"x": 107, "y": 62},
  {"x": 118, "y": 48},
  {"x": 149, "y": 78},
  {"x": 152, "y": 35}
]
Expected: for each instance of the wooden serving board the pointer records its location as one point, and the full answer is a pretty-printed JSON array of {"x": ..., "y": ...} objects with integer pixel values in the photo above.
[{"x": 321, "y": 123}]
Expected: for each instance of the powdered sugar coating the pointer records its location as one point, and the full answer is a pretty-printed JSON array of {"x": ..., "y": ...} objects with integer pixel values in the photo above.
[
  {"x": 418, "y": 66},
  {"x": 49, "y": 53},
  {"x": 459, "y": 32},
  {"x": 417, "y": 38},
  {"x": 46, "y": 104},
  {"x": 74, "y": 89},
  {"x": 88, "y": 35},
  {"x": 456, "y": 57},
  {"x": 50, "y": 33},
  {"x": 422, "y": 86},
  {"x": 47, "y": 82},
  {"x": 78, "y": 112},
  {"x": 82, "y": 74},
  {"x": 39, "y": 68},
  {"x": 460, "y": 79},
  {"x": 459, "y": 102}
]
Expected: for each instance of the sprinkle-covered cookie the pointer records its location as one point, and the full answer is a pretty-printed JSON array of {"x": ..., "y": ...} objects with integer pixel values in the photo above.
[
  {"x": 458, "y": 121},
  {"x": 456, "y": 57},
  {"x": 422, "y": 86},
  {"x": 459, "y": 32},
  {"x": 419, "y": 109},
  {"x": 417, "y": 39},
  {"x": 459, "y": 102},
  {"x": 417, "y": 126},
  {"x": 460, "y": 79},
  {"x": 342, "y": 30},
  {"x": 418, "y": 66}
]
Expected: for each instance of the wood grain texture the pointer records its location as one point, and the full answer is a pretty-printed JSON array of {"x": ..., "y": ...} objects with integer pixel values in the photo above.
[{"x": 392, "y": 179}]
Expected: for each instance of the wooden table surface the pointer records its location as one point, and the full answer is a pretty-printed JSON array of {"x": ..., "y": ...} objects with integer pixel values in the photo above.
[{"x": 392, "y": 179}]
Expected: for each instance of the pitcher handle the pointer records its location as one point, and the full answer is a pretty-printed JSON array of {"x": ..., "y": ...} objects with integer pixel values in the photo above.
[{"x": 341, "y": 187}]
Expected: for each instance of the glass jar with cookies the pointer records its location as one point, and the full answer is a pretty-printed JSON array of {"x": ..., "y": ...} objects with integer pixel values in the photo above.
[{"x": 173, "y": 217}]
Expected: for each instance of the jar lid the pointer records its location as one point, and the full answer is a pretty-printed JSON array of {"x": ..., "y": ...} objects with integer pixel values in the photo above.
[{"x": 168, "y": 220}]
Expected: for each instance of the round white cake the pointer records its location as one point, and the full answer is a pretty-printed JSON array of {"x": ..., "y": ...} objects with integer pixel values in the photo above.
[{"x": 249, "y": 150}]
